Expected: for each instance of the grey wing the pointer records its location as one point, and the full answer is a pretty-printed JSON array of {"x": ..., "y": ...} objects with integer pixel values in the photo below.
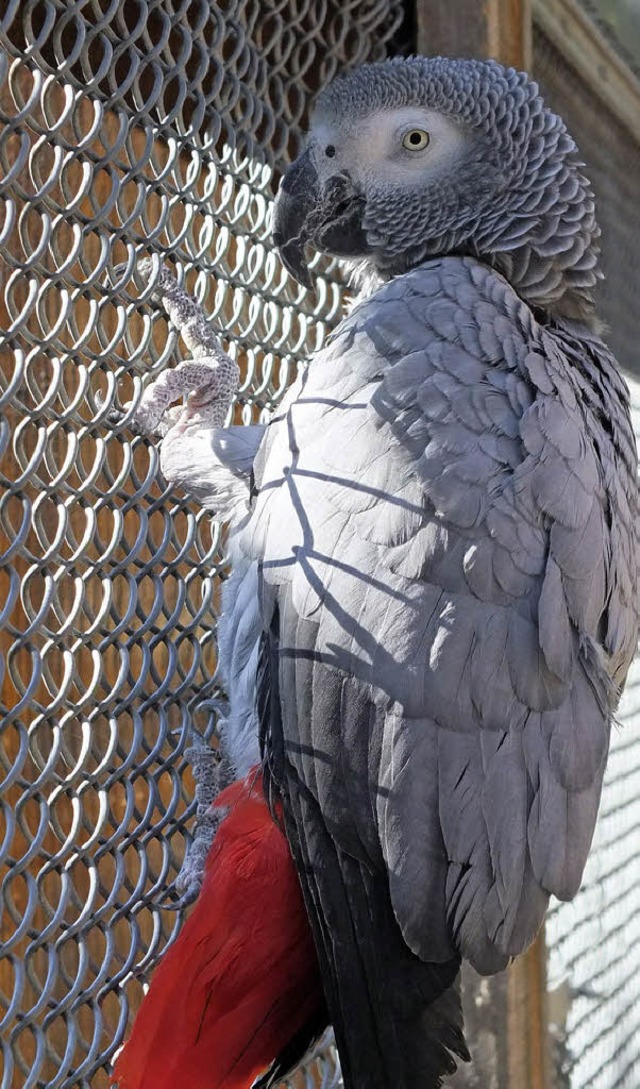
[
  {"x": 213, "y": 464},
  {"x": 448, "y": 530}
]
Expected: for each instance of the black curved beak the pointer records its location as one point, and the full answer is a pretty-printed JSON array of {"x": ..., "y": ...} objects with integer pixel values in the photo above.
[
  {"x": 298, "y": 195},
  {"x": 329, "y": 219}
]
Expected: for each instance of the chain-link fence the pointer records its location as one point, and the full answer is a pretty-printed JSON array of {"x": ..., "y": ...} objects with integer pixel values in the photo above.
[{"x": 129, "y": 127}]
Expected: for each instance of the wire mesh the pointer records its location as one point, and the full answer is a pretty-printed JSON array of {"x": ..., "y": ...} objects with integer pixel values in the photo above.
[
  {"x": 594, "y": 942},
  {"x": 149, "y": 126}
]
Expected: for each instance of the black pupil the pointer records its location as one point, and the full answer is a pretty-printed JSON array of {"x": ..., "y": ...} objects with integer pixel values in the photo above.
[
  {"x": 415, "y": 138},
  {"x": 330, "y": 151}
]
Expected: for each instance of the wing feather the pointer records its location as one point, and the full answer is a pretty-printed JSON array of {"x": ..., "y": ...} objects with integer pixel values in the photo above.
[{"x": 447, "y": 507}]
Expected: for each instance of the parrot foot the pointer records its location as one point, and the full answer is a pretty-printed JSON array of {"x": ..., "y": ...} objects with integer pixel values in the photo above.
[
  {"x": 208, "y": 381},
  {"x": 208, "y": 385}
]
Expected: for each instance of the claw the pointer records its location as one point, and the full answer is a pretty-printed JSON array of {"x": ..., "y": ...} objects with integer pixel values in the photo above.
[
  {"x": 164, "y": 903},
  {"x": 114, "y": 416},
  {"x": 207, "y": 382}
]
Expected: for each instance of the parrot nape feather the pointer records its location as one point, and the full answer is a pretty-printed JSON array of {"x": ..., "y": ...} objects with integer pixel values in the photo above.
[{"x": 433, "y": 599}]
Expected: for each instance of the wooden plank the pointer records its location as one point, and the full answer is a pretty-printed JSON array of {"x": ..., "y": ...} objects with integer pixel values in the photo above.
[
  {"x": 509, "y": 32},
  {"x": 585, "y": 49},
  {"x": 527, "y": 1019},
  {"x": 438, "y": 33},
  {"x": 479, "y": 28}
]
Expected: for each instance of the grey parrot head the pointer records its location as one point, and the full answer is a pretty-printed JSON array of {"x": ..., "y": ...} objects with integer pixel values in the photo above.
[{"x": 418, "y": 157}]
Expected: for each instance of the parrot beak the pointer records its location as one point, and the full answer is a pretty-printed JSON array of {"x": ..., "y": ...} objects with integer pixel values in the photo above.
[
  {"x": 329, "y": 218},
  {"x": 299, "y": 193}
]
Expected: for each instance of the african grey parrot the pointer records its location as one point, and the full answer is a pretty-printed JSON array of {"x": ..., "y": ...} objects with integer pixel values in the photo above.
[{"x": 433, "y": 602}]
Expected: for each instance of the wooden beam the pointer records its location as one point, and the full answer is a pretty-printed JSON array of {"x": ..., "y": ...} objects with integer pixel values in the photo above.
[
  {"x": 509, "y": 32},
  {"x": 529, "y": 1055},
  {"x": 585, "y": 49},
  {"x": 439, "y": 33},
  {"x": 476, "y": 28}
]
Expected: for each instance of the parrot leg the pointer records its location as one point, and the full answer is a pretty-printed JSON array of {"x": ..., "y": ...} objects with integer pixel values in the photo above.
[
  {"x": 210, "y": 461},
  {"x": 211, "y": 774},
  {"x": 208, "y": 380},
  {"x": 213, "y": 464}
]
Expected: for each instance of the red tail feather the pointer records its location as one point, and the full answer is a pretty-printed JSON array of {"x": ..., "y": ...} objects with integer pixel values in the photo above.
[{"x": 242, "y": 979}]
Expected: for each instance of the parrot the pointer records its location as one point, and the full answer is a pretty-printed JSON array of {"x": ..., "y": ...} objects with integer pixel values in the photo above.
[{"x": 432, "y": 604}]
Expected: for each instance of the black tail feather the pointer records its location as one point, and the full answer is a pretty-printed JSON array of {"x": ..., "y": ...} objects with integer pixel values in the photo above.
[
  {"x": 293, "y": 1054},
  {"x": 397, "y": 1020}
]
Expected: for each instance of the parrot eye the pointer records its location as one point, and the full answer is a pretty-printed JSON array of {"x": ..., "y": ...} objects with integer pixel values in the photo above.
[
  {"x": 415, "y": 140},
  {"x": 330, "y": 151}
]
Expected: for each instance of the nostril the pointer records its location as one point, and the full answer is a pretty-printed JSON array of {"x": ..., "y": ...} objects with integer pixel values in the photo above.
[{"x": 330, "y": 151}]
